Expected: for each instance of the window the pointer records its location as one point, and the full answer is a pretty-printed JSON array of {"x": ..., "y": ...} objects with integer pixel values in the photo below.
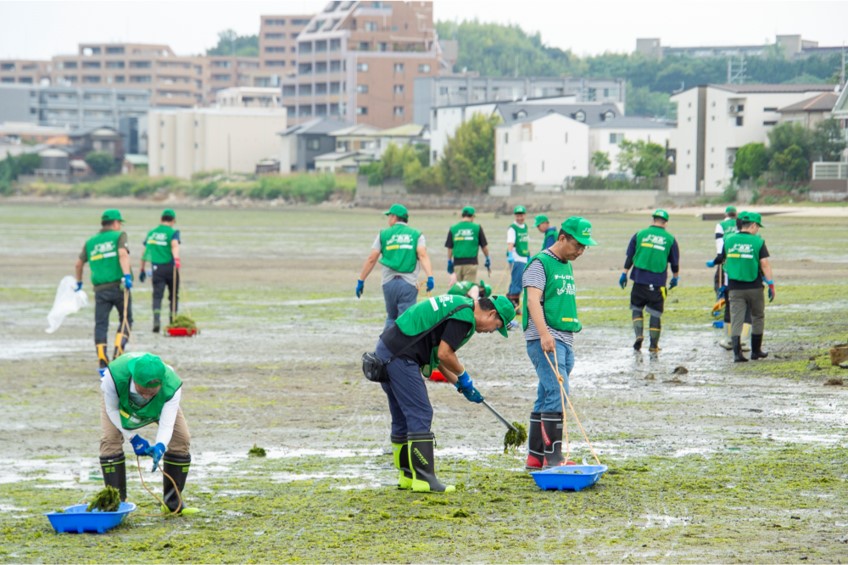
[
  {"x": 362, "y": 67},
  {"x": 566, "y": 138},
  {"x": 770, "y": 109},
  {"x": 616, "y": 138},
  {"x": 506, "y": 166},
  {"x": 370, "y": 26},
  {"x": 398, "y": 110},
  {"x": 770, "y": 123},
  {"x": 313, "y": 144},
  {"x": 114, "y": 64},
  {"x": 398, "y": 89},
  {"x": 424, "y": 68},
  {"x": 114, "y": 50},
  {"x": 362, "y": 111},
  {"x": 139, "y": 64},
  {"x": 506, "y": 138},
  {"x": 740, "y": 120},
  {"x": 362, "y": 88},
  {"x": 275, "y": 36},
  {"x": 543, "y": 166},
  {"x": 398, "y": 67},
  {"x": 275, "y": 22},
  {"x": 364, "y": 46},
  {"x": 271, "y": 49}
]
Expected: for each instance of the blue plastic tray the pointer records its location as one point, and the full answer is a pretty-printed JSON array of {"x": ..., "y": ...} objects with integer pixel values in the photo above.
[
  {"x": 569, "y": 477},
  {"x": 76, "y": 520}
]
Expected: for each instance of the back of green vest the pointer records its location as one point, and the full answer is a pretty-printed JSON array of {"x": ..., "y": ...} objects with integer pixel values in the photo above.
[
  {"x": 398, "y": 247},
  {"x": 157, "y": 245},
  {"x": 653, "y": 247},
  {"x": 103, "y": 258},
  {"x": 466, "y": 239},
  {"x": 742, "y": 256}
]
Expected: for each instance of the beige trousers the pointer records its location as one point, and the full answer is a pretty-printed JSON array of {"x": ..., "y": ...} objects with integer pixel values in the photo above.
[
  {"x": 466, "y": 273},
  {"x": 112, "y": 440}
]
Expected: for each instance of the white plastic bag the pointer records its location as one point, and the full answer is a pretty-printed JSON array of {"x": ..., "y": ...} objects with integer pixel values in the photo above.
[{"x": 67, "y": 302}]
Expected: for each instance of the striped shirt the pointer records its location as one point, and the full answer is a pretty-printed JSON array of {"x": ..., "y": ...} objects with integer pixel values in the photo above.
[{"x": 534, "y": 276}]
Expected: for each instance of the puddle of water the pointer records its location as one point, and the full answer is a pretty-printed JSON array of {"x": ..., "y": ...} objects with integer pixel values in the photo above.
[{"x": 662, "y": 521}]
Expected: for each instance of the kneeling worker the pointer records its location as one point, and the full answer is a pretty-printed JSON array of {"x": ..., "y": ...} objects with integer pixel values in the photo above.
[
  {"x": 139, "y": 389},
  {"x": 424, "y": 337}
]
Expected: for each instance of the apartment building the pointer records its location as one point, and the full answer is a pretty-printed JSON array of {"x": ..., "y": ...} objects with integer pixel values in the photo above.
[
  {"x": 790, "y": 46},
  {"x": 221, "y": 72},
  {"x": 358, "y": 61},
  {"x": 20, "y": 71},
  {"x": 248, "y": 97},
  {"x": 278, "y": 44}
]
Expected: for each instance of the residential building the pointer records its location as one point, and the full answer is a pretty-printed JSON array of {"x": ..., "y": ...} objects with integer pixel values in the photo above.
[
  {"x": 300, "y": 144},
  {"x": 25, "y": 71},
  {"x": 465, "y": 90},
  {"x": 278, "y": 43},
  {"x": 714, "y": 121},
  {"x": 249, "y": 97},
  {"x": 811, "y": 111},
  {"x": 357, "y": 62},
  {"x": 789, "y": 46},
  {"x": 606, "y": 137},
  {"x": 182, "y": 142},
  {"x": 222, "y": 72}
]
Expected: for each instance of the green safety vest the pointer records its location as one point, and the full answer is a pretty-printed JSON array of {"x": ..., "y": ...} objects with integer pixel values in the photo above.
[
  {"x": 558, "y": 298},
  {"x": 522, "y": 240},
  {"x": 466, "y": 240},
  {"x": 729, "y": 227},
  {"x": 549, "y": 233},
  {"x": 742, "y": 256},
  {"x": 461, "y": 288},
  {"x": 398, "y": 246},
  {"x": 428, "y": 314},
  {"x": 157, "y": 245},
  {"x": 102, "y": 253},
  {"x": 653, "y": 247},
  {"x": 134, "y": 416}
]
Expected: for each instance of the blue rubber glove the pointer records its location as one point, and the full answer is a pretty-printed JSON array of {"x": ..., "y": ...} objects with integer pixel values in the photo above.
[
  {"x": 673, "y": 283},
  {"x": 128, "y": 282},
  {"x": 431, "y": 283},
  {"x": 360, "y": 286},
  {"x": 622, "y": 280},
  {"x": 140, "y": 445},
  {"x": 156, "y": 452},
  {"x": 711, "y": 263},
  {"x": 771, "y": 292},
  {"x": 450, "y": 266},
  {"x": 466, "y": 387},
  {"x": 510, "y": 257},
  {"x": 488, "y": 263},
  {"x": 78, "y": 287}
]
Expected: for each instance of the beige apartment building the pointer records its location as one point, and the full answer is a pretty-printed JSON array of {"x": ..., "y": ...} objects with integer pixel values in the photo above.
[
  {"x": 278, "y": 42},
  {"x": 25, "y": 71},
  {"x": 183, "y": 142},
  {"x": 358, "y": 61}
]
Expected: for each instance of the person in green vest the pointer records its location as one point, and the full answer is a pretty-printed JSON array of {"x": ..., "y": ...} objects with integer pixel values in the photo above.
[
  {"x": 402, "y": 250},
  {"x": 138, "y": 390},
  {"x": 517, "y": 253},
  {"x": 650, "y": 252},
  {"x": 162, "y": 250},
  {"x": 746, "y": 262},
  {"x": 425, "y": 337},
  {"x": 464, "y": 239},
  {"x": 108, "y": 256},
  {"x": 471, "y": 290},
  {"x": 723, "y": 229},
  {"x": 550, "y": 321},
  {"x": 544, "y": 226}
]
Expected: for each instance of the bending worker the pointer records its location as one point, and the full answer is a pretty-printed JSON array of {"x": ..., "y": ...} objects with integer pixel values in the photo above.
[
  {"x": 425, "y": 337},
  {"x": 649, "y": 252},
  {"x": 462, "y": 242},
  {"x": 162, "y": 249},
  {"x": 402, "y": 251},
  {"x": 109, "y": 257},
  {"x": 471, "y": 290},
  {"x": 139, "y": 389}
]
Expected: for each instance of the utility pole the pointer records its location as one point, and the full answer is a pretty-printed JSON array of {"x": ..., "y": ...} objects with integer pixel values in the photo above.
[{"x": 736, "y": 70}]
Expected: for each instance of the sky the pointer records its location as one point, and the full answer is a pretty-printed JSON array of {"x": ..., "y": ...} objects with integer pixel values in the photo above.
[{"x": 39, "y": 29}]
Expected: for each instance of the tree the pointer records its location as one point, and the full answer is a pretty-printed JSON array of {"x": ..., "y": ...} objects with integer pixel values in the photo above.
[
  {"x": 468, "y": 164},
  {"x": 642, "y": 158},
  {"x": 101, "y": 163},
  {"x": 752, "y": 160},
  {"x": 601, "y": 161},
  {"x": 232, "y": 44},
  {"x": 791, "y": 164},
  {"x": 27, "y": 163},
  {"x": 827, "y": 143}
]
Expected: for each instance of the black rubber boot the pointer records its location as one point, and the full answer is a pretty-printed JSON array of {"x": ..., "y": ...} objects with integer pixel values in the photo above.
[
  {"x": 535, "y": 443},
  {"x": 102, "y": 355},
  {"x": 423, "y": 465},
  {"x": 737, "y": 350},
  {"x": 400, "y": 453},
  {"x": 175, "y": 466},
  {"x": 114, "y": 468},
  {"x": 552, "y": 439},
  {"x": 757, "y": 347},
  {"x": 157, "y": 321}
]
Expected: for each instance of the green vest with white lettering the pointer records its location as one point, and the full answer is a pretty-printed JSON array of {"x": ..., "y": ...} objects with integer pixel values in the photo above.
[
  {"x": 728, "y": 226},
  {"x": 466, "y": 240},
  {"x": 742, "y": 256},
  {"x": 134, "y": 416},
  {"x": 558, "y": 298},
  {"x": 653, "y": 247},
  {"x": 522, "y": 240},
  {"x": 428, "y": 314},
  {"x": 157, "y": 245},
  {"x": 398, "y": 247},
  {"x": 102, "y": 252}
]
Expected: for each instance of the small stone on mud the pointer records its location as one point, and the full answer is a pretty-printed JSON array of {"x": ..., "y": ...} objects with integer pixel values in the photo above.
[
  {"x": 674, "y": 381},
  {"x": 833, "y": 381},
  {"x": 650, "y": 377},
  {"x": 680, "y": 370},
  {"x": 813, "y": 366}
]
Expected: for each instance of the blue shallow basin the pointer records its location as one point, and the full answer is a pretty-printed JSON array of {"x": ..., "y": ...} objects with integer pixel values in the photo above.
[
  {"x": 569, "y": 477},
  {"x": 77, "y": 521}
]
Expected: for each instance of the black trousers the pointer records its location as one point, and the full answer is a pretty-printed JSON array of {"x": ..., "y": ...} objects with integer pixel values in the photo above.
[
  {"x": 104, "y": 301},
  {"x": 163, "y": 276}
]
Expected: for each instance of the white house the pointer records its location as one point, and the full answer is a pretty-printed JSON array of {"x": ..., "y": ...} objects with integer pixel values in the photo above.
[
  {"x": 543, "y": 150},
  {"x": 607, "y": 135},
  {"x": 714, "y": 121}
]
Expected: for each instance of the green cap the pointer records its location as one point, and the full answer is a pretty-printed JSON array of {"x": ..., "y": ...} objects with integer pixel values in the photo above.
[
  {"x": 468, "y": 211},
  {"x": 169, "y": 213},
  {"x": 398, "y": 210},
  {"x": 730, "y": 210},
  {"x": 149, "y": 371},
  {"x": 580, "y": 229},
  {"x": 519, "y": 210},
  {"x": 486, "y": 290},
  {"x": 661, "y": 214},
  {"x": 541, "y": 219},
  {"x": 111, "y": 215},
  {"x": 751, "y": 217},
  {"x": 506, "y": 310}
]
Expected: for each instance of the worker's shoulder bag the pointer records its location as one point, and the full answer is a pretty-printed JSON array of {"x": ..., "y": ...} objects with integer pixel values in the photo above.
[{"x": 376, "y": 370}]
